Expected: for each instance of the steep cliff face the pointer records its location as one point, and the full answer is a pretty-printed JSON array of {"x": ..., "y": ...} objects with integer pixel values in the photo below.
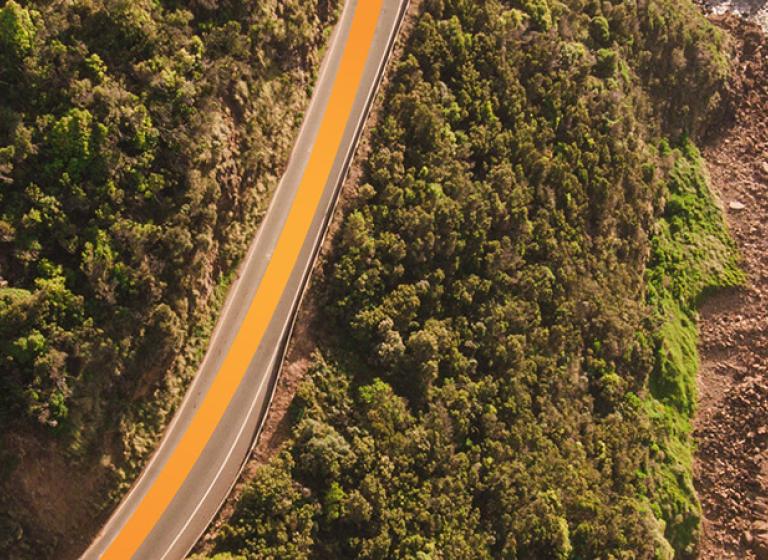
[{"x": 139, "y": 145}]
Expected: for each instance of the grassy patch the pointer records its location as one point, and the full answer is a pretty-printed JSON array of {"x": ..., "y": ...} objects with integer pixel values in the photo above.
[{"x": 692, "y": 255}]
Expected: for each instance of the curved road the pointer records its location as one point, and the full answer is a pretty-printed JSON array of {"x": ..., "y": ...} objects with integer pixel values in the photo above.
[{"x": 208, "y": 441}]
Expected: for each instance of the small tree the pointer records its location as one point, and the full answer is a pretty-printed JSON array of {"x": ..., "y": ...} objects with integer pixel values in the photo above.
[{"x": 16, "y": 30}]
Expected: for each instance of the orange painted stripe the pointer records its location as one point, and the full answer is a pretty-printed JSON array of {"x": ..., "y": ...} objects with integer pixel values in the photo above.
[{"x": 268, "y": 294}]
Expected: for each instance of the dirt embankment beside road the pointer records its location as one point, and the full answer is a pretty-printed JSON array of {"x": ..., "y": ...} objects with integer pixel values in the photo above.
[{"x": 732, "y": 424}]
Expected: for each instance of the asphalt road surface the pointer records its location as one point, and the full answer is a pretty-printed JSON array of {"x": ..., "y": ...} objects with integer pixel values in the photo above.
[{"x": 208, "y": 441}]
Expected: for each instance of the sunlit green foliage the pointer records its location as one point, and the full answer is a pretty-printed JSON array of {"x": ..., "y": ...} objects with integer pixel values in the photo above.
[
  {"x": 691, "y": 255},
  {"x": 278, "y": 519},
  {"x": 16, "y": 31},
  {"x": 127, "y": 177}
]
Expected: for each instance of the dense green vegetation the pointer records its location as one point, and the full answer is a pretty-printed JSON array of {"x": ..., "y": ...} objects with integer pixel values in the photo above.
[
  {"x": 691, "y": 254},
  {"x": 139, "y": 142},
  {"x": 510, "y": 367}
]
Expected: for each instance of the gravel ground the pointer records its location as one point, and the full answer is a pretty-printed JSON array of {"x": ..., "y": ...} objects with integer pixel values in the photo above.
[
  {"x": 753, "y": 10},
  {"x": 732, "y": 424}
]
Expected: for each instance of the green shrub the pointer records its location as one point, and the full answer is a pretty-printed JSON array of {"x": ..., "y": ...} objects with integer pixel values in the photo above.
[{"x": 16, "y": 29}]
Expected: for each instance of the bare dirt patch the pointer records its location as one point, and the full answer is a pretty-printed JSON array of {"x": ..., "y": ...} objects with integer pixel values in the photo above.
[
  {"x": 732, "y": 423},
  {"x": 47, "y": 487}
]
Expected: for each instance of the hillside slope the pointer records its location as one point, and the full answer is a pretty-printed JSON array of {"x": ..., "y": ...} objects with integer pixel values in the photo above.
[
  {"x": 507, "y": 355},
  {"x": 139, "y": 144}
]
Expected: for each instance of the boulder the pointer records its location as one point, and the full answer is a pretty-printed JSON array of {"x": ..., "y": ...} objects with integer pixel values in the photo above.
[{"x": 736, "y": 205}]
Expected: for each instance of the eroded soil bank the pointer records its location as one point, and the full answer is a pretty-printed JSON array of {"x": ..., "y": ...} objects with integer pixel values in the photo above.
[{"x": 732, "y": 423}]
